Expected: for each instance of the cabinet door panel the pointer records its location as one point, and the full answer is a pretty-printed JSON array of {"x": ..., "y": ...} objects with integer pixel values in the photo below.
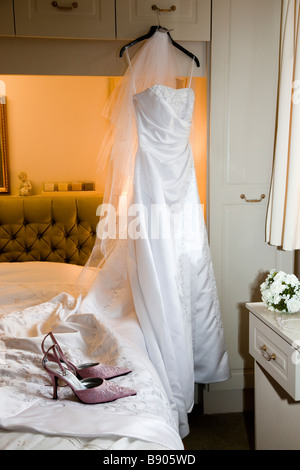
[
  {"x": 252, "y": 90},
  {"x": 92, "y": 19},
  {"x": 7, "y": 27},
  {"x": 190, "y": 21}
]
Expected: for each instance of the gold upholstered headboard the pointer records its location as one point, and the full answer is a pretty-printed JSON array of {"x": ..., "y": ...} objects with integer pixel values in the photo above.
[{"x": 37, "y": 228}]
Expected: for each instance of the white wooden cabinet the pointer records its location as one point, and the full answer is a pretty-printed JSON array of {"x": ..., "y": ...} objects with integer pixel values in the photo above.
[
  {"x": 190, "y": 21},
  {"x": 7, "y": 27},
  {"x": 104, "y": 19},
  {"x": 244, "y": 73},
  {"x": 85, "y": 19},
  {"x": 276, "y": 352}
]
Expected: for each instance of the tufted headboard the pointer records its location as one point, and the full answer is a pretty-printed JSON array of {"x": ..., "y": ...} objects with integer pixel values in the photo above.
[{"x": 60, "y": 229}]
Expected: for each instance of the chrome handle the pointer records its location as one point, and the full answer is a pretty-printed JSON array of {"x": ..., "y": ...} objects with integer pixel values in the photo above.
[
  {"x": 56, "y": 5},
  {"x": 262, "y": 197},
  {"x": 266, "y": 355},
  {"x": 168, "y": 10}
]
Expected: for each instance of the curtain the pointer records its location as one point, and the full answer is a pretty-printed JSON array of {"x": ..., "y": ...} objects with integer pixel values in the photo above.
[{"x": 283, "y": 217}]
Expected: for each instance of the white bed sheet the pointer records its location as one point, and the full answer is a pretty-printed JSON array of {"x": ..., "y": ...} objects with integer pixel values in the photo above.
[{"x": 36, "y": 297}]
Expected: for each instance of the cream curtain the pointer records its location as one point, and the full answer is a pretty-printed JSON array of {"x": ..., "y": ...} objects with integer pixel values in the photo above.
[{"x": 283, "y": 218}]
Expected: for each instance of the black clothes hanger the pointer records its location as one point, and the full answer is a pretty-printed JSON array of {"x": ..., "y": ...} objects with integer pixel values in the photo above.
[{"x": 153, "y": 30}]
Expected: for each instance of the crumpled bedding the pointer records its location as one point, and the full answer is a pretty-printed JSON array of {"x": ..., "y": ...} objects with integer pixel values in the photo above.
[{"x": 29, "y": 417}]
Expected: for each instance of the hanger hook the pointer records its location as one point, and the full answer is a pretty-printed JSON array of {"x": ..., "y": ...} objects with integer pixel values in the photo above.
[
  {"x": 160, "y": 27},
  {"x": 158, "y": 17}
]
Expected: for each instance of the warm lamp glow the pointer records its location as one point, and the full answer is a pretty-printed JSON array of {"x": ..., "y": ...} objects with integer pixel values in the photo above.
[
  {"x": 54, "y": 136},
  {"x": 199, "y": 138}
]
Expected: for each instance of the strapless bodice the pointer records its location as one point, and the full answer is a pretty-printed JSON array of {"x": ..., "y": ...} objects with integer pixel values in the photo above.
[
  {"x": 180, "y": 101},
  {"x": 163, "y": 117}
]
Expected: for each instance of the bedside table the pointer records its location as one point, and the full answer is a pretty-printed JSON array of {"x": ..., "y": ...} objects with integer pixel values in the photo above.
[{"x": 275, "y": 347}]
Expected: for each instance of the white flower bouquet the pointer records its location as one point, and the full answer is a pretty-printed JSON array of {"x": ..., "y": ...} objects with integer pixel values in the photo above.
[{"x": 281, "y": 292}]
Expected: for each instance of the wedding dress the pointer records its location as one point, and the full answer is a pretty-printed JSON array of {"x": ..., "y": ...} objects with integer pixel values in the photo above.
[
  {"x": 170, "y": 285},
  {"x": 173, "y": 286}
]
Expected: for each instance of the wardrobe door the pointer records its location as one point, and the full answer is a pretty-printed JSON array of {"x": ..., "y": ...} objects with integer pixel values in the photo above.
[
  {"x": 85, "y": 19},
  {"x": 189, "y": 19},
  {"x": 244, "y": 76}
]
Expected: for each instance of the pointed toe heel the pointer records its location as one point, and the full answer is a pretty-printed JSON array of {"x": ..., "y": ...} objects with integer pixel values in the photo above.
[
  {"x": 84, "y": 371},
  {"x": 93, "y": 390}
]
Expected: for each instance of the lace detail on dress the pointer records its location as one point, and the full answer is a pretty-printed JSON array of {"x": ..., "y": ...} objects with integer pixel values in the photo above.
[{"x": 181, "y": 100}]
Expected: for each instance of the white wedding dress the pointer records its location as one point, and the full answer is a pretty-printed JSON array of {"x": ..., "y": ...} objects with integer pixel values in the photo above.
[
  {"x": 172, "y": 285},
  {"x": 172, "y": 279}
]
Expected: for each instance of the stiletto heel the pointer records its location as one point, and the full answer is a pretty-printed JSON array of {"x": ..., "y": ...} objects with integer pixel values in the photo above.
[
  {"x": 54, "y": 380},
  {"x": 93, "y": 390},
  {"x": 84, "y": 371}
]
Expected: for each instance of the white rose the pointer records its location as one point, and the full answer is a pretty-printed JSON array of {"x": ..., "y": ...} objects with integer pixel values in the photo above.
[
  {"x": 276, "y": 287},
  {"x": 263, "y": 286},
  {"x": 293, "y": 305},
  {"x": 280, "y": 277},
  {"x": 267, "y": 295},
  {"x": 292, "y": 279}
]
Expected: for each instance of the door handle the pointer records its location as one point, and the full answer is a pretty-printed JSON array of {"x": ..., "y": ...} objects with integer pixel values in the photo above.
[{"x": 262, "y": 197}]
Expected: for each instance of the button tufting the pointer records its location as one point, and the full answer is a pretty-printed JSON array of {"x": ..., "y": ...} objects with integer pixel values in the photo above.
[{"x": 70, "y": 233}]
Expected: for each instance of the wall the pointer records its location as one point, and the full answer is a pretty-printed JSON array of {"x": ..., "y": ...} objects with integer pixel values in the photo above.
[
  {"x": 55, "y": 127},
  {"x": 56, "y": 90}
]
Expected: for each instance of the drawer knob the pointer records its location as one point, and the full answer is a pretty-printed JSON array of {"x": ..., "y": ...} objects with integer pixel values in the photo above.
[{"x": 266, "y": 355}]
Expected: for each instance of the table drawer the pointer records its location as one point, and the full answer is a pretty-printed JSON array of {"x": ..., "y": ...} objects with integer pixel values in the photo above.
[{"x": 275, "y": 355}]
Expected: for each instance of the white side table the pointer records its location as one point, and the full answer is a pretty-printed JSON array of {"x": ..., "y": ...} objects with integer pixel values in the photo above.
[{"x": 276, "y": 350}]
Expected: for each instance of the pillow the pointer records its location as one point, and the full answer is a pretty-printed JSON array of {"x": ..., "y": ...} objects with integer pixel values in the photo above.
[
  {"x": 37, "y": 271},
  {"x": 25, "y": 284}
]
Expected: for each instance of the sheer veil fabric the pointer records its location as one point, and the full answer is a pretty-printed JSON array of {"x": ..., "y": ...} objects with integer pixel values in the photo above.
[
  {"x": 157, "y": 264},
  {"x": 155, "y": 63}
]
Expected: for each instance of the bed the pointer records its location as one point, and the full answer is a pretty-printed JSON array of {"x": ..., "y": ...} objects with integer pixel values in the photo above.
[{"x": 44, "y": 242}]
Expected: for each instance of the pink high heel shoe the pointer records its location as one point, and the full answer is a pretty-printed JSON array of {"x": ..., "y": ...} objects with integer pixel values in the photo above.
[
  {"x": 83, "y": 371},
  {"x": 90, "y": 391}
]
